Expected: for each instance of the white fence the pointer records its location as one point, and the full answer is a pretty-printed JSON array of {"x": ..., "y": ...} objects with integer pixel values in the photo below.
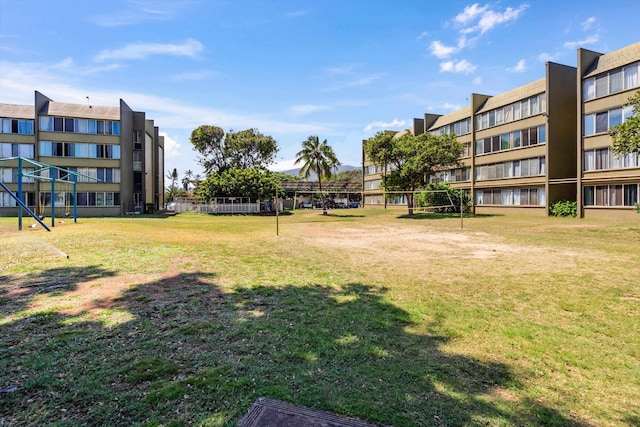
[{"x": 228, "y": 208}]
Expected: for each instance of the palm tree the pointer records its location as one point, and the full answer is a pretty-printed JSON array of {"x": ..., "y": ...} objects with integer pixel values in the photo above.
[
  {"x": 319, "y": 158},
  {"x": 188, "y": 175}
]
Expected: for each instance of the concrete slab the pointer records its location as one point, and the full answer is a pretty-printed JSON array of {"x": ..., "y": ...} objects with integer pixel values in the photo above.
[{"x": 267, "y": 412}]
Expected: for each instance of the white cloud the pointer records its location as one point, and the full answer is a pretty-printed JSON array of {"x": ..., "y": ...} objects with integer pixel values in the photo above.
[
  {"x": 589, "y": 40},
  {"x": 477, "y": 81},
  {"x": 171, "y": 146},
  {"x": 284, "y": 165},
  {"x": 19, "y": 80},
  {"x": 301, "y": 110},
  {"x": 297, "y": 13},
  {"x": 190, "y": 48},
  {"x": 462, "y": 66},
  {"x": 440, "y": 50},
  {"x": 544, "y": 57},
  {"x": 135, "y": 12},
  {"x": 395, "y": 123},
  {"x": 519, "y": 67},
  {"x": 586, "y": 25},
  {"x": 451, "y": 107},
  {"x": 362, "y": 81},
  {"x": 423, "y": 35},
  {"x": 470, "y": 13},
  {"x": 474, "y": 19},
  {"x": 491, "y": 19}
]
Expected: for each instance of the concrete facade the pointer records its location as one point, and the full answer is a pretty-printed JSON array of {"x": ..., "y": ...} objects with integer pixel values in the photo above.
[
  {"x": 566, "y": 154},
  {"x": 118, "y": 146}
]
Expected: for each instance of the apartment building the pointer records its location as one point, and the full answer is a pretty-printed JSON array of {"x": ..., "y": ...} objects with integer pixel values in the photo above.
[
  {"x": 117, "y": 152},
  {"x": 519, "y": 147},
  {"x": 608, "y": 185}
]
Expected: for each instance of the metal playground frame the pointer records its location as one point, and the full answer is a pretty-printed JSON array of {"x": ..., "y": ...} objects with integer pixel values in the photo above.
[{"x": 43, "y": 172}]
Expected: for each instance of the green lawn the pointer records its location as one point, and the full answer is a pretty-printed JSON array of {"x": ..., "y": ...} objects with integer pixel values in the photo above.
[{"x": 403, "y": 321}]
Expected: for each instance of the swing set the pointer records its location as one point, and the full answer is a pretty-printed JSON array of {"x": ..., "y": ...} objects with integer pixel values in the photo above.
[{"x": 62, "y": 178}]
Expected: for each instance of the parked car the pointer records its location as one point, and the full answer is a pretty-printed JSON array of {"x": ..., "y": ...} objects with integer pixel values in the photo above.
[
  {"x": 341, "y": 205},
  {"x": 354, "y": 204},
  {"x": 305, "y": 205}
]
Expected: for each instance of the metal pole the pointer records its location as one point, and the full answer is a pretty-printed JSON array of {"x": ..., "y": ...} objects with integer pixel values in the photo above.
[
  {"x": 20, "y": 193},
  {"x": 277, "y": 217},
  {"x": 75, "y": 199},
  {"x": 52, "y": 175}
]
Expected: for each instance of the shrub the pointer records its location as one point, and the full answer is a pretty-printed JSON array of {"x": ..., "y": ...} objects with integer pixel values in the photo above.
[
  {"x": 564, "y": 208},
  {"x": 425, "y": 199},
  {"x": 636, "y": 206}
]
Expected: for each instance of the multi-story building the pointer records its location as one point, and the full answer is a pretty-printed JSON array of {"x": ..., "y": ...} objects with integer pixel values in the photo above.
[
  {"x": 608, "y": 186},
  {"x": 116, "y": 152},
  {"x": 519, "y": 147}
]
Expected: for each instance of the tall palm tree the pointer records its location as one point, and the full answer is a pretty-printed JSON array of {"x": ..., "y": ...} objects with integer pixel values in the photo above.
[
  {"x": 188, "y": 176},
  {"x": 319, "y": 158}
]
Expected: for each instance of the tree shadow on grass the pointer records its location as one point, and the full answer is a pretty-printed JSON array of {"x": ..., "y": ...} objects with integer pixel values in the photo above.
[
  {"x": 20, "y": 290},
  {"x": 190, "y": 353}
]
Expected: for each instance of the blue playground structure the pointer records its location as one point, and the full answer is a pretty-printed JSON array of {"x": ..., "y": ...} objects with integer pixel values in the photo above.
[{"x": 43, "y": 172}]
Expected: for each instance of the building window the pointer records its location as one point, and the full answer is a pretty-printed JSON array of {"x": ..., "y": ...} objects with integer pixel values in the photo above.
[
  {"x": 16, "y": 126},
  {"x": 611, "y": 195},
  {"x": 603, "y": 158},
  {"x": 609, "y": 83}
]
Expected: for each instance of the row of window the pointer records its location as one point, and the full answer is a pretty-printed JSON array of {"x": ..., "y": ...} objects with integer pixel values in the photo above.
[
  {"x": 508, "y": 141},
  {"x": 10, "y": 175},
  {"x": 516, "y": 111},
  {"x": 461, "y": 127},
  {"x": 452, "y": 175},
  {"x": 91, "y": 126},
  {"x": 612, "y": 82},
  {"x": 512, "y": 197},
  {"x": 518, "y": 168},
  {"x": 79, "y": 149},
  {"x": 602, "y": 121},
  {"x": 18, "y": 126},
  {"x": 603, "y": 158},
  {"x": 372, "y": 169},
  {"x": 374, "y": 184},
  {"x": 100, "y": 198},
  {"x": 611, "y": 195},
  {"x": 8, "y": 149}
]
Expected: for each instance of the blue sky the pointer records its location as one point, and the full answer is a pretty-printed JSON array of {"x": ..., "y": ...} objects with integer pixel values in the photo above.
[{"x": 339, "y": 69}]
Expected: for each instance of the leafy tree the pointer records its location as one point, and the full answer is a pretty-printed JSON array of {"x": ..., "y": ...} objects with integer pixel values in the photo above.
[
  {"x": 411, "y": 160},
  {"x": 255, "y": 183},
  {"x": 172, "y": 191},
  {"x": 352, "y": 176},
  {"x": 244, "y": 149},
  {"x": 626, "y": 135},
  {"x": 317, "y": 157}
]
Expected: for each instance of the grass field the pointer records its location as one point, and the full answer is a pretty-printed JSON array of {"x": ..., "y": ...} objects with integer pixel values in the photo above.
[{"x": 512, "y": 321}]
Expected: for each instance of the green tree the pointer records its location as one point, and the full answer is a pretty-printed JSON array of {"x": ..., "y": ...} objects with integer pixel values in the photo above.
[
  {"x": 244, "y": 149},
  {"x": 317, "y": 158},
  {"x": 626, "y": 135},
  {"x": 411, "y": 160},
  {"x": 186, "y": 180},
  {"x": 254, "y": 183},
  {"x": 173, "y": 190},
  {"x": 352, "y": 176}
]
